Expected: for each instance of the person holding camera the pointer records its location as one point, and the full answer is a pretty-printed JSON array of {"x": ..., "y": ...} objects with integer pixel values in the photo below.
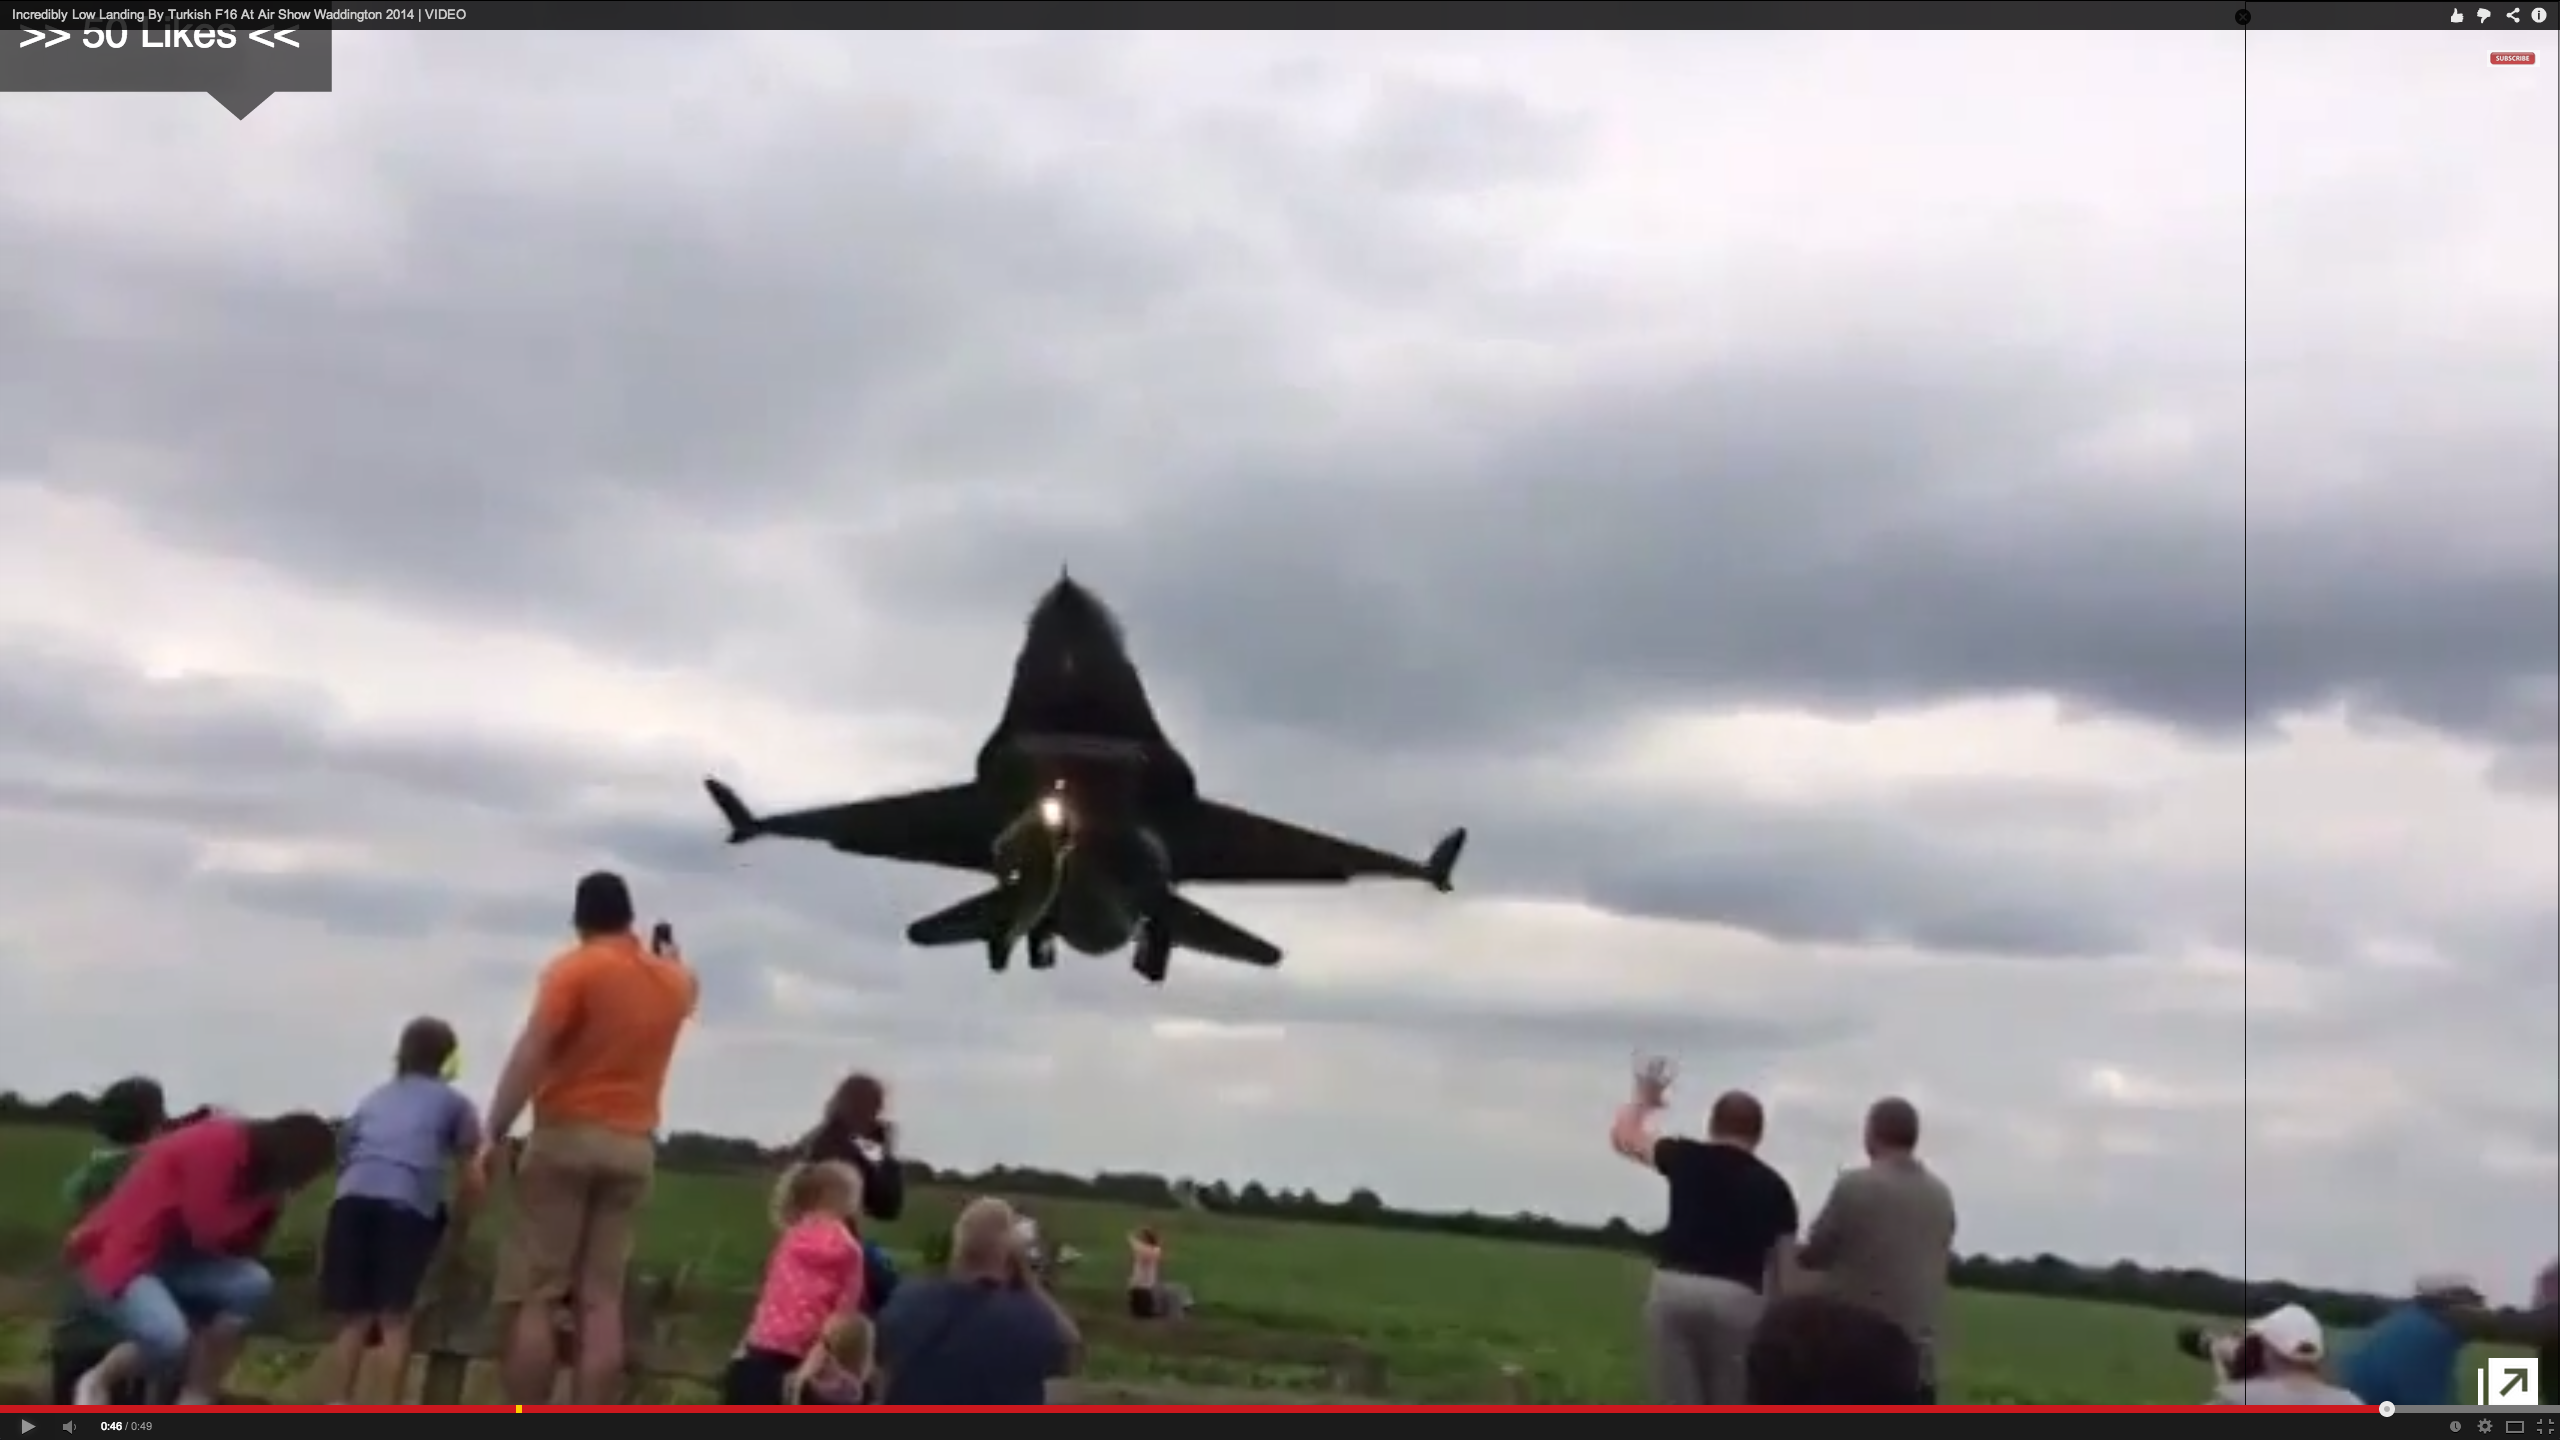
[
  {"x": 988, "y": 1333},
  {"x": 2275, "y": 1360},
  {"x": 591, "y": 1063},
  {"x": 1885, "y": 1236},
  {"x": 855, "y": 1130}
]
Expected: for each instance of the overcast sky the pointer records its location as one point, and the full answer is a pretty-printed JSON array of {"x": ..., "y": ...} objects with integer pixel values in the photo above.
[{"x": 1784, "y": 492}]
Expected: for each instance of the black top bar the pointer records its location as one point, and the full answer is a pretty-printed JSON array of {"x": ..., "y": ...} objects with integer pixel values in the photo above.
[{"x": 1362, "y": 14}]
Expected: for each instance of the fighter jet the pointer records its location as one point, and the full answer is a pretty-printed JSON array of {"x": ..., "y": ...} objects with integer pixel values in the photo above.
[{"x": 1087, "y": 818}]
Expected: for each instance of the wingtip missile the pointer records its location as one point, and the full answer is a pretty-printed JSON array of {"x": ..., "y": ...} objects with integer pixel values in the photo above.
[
  {"x": 743, "y": 825},
  {"x": 1444, "y": 859}
]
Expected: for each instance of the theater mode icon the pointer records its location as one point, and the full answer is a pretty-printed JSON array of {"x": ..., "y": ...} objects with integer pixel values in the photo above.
[{"x": 2508, "y": 1382}]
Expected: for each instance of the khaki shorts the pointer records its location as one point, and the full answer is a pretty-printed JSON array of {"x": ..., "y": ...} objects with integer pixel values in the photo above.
[{"x": 576, "y": 1197}]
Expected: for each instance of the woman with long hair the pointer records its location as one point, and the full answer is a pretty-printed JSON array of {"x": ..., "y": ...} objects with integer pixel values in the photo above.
[{"x": 855, "y": 1130}]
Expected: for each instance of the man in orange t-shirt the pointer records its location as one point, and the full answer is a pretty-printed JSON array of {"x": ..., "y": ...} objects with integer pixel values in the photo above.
[{"x": 592, "y": 1063}]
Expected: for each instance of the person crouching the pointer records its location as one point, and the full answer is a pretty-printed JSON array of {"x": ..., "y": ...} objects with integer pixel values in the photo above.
[
  {"x": 129, "y": 1113},
  {"x": 812, "y": 1290},
  {"x": 180, "y": 1238}
]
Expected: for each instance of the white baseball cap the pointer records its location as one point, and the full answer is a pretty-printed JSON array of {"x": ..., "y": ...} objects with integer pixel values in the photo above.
[{"x": 2290, "y": 1331}]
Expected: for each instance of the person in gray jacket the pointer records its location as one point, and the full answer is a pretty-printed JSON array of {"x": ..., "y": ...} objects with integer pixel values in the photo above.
[{"x": 1885, "y": 1237}]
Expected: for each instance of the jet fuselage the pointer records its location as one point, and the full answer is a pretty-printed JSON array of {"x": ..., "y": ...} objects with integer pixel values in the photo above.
[{"x": 1079, "y": 740}]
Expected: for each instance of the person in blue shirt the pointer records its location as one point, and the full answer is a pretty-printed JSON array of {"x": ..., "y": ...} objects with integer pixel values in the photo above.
[
  {"x": 988, "y": 1334},
  {"x": 2413, "y": 1354},
  {"x": 389, "y": 1218}
]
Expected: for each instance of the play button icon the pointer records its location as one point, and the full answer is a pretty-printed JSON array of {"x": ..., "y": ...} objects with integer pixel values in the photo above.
[{"x": 25, "y": 1425}]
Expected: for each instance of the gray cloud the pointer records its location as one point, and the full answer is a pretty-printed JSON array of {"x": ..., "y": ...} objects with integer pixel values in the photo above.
[{"x": 1702, "y": 535}]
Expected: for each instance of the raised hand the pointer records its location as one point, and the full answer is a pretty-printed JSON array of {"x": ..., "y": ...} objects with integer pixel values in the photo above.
[{"x": 1654, "y": 1074}]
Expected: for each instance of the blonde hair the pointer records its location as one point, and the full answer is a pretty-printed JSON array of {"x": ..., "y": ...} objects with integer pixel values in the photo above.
[
  {"x": 983, "y": 1235},
  {"x": 816, "y": 1187},
  {"x": 849, "y": 1340},
  {"x": 845, "y": 1348}
]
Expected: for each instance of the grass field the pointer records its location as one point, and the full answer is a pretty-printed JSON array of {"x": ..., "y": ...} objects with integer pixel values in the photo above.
[{"x": 1446, "y": 1313}]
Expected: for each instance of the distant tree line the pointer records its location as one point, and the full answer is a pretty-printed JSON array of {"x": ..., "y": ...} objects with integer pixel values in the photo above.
[{"x": 2124, "y": 1282}]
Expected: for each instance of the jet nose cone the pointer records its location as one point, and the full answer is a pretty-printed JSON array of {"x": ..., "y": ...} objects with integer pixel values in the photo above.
[
  {"x": 1070, "y": 614},
  {"x": 1067, "y": 602}
]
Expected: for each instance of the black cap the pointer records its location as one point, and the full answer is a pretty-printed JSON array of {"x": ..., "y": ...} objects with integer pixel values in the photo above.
[{"x": 603, "y": 904}]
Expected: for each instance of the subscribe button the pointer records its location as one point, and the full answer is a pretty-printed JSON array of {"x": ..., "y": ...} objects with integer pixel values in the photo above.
[{"x": 2521, "y": 65}]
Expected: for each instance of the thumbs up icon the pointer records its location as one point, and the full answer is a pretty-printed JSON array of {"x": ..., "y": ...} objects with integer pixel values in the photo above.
[{"x": 2457, "y": 17}]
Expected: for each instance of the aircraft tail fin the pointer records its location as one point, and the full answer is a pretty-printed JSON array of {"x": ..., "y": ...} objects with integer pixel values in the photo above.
[
  {"x": 1192, "y": 928},
  {"x": 987, "y": 915},
  {"x": 1444, "y": 859},
  {"x": 743, "y": 824}
]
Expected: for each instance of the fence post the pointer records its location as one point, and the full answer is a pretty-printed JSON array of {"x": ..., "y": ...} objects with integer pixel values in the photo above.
[
  {"x": 1360, "y": 1372},
  {"x": 455, "y": 1298}
]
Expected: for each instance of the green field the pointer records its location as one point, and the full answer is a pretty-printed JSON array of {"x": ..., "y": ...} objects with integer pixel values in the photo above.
[{"x": 1446, "y": 1314}]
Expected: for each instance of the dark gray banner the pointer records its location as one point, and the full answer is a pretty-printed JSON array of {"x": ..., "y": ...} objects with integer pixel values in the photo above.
[{"x": 239, "y": 62}]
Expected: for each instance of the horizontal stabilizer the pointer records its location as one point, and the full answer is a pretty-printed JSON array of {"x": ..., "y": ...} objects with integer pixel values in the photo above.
[
  {"x": 743, "y": 825},
  {"x": 1192, "y": 928},
  {"x": 1444, "y": 858},
  {"x": 987, "y": 915}
]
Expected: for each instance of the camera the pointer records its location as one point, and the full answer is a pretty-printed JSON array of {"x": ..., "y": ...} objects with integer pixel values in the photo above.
[{"x": 2233, "y": 1357}]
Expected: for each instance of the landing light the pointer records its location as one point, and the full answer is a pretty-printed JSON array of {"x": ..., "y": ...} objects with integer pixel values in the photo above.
[{"x": 1053, "y": 812}]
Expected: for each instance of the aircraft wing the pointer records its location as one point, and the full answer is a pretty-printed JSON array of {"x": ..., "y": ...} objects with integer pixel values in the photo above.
[
  {"x": 952, "y": 826},
  {"x": 1220, "y": 844}
]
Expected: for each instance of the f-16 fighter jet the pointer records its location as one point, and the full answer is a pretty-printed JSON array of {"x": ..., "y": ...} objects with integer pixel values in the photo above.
[{"x": 1088, "y": 819}]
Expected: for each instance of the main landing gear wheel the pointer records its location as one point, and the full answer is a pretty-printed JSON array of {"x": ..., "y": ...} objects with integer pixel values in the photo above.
[
  {"x": 1044, "y": 952},
  {"x": 1154, "y": 956},
  {"x": 997, "y": 956}
]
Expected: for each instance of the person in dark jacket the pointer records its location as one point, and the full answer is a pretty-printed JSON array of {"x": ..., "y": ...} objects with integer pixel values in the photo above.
[
  {"x": 856, "y": 1130},
  {"x": 1822, "y": 1350}
]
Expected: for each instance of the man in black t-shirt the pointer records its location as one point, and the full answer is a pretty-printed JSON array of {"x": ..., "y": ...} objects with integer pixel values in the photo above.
[{"x": 1730, "y": 1232}]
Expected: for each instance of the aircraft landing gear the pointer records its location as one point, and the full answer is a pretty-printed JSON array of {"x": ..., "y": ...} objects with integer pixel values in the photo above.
[
  {"x": 998, "y": 955},
  {"x": 1154, "y": 954},
  {"x": 1044, "y": 952}
]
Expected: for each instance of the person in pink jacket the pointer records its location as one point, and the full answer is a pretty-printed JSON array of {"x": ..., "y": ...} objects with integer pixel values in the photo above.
[{"x": 180, "y": 1237}]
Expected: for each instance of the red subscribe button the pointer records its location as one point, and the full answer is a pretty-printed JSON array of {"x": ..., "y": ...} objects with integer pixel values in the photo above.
[{"x": 2510, "y": 57}]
